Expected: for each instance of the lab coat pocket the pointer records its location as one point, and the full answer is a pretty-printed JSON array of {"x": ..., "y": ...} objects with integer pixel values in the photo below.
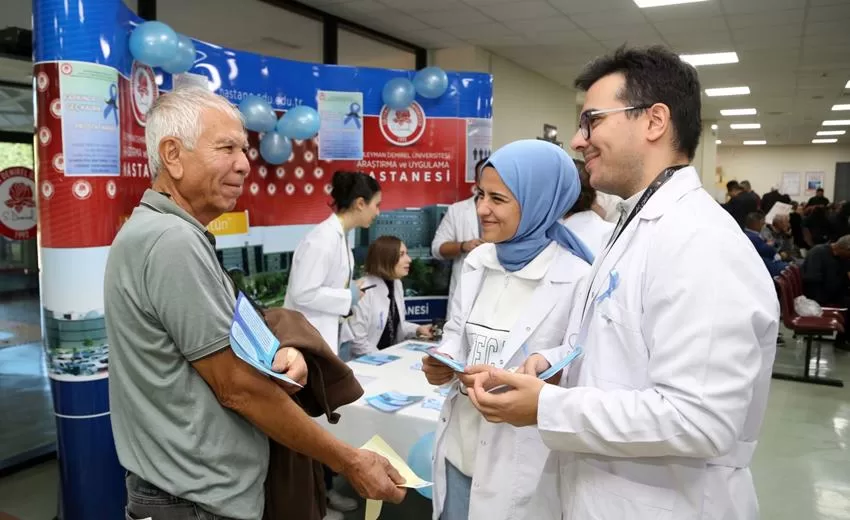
[
  {"x": 605, "y": 496},
  {"x": 618, "y": 352}
]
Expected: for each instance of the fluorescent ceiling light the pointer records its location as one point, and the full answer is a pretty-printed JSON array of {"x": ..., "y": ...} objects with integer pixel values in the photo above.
[
  {"x": 714, "y": 127},
  {"x": 712, "y": 58},
  {"x": 840, "y": 107},
  {"x": 847, "y": 85},
  {"x": 832, "y": 132},
  {"x": 660, "y": 3},
  {"x": 754, "y": 143},
  {"x": 718, "y": 142},
  {"x": 738, "y": 112},
  {"x": 727, "y": 91},
  {"x": 824, "y": 141},
  {"x": 745, "y": 126},
  {"x": 837, "y": 122}
]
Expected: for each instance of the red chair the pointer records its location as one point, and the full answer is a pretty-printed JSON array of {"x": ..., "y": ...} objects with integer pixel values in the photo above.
[
  {"x": 810, "y": 327},
  {"x": 795, "y": 278}
]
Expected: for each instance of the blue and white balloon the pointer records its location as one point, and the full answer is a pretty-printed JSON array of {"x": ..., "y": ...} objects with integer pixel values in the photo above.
[
  {"x": 153, "y": 43},
  {"x": 398, "y": 93},
  {"x": 301, "y": 122},
  {"x": 431, "y": 82},
  {"x": 275, "y": 148},
  {"x": 258, "y": 113},
  {"x": 184, "y": 58},
  {"x": 420, "y": 459}
]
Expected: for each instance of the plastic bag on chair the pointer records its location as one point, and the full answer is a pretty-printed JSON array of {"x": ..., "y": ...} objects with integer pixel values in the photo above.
[{"x": 805, "y": 307}]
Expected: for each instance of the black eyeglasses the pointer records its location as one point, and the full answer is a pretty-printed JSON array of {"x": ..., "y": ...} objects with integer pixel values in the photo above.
[{"x": 587, "y": 117}]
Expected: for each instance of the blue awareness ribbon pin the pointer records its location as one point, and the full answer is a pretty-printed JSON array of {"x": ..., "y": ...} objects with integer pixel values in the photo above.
[{"x": 613, "y": 283}]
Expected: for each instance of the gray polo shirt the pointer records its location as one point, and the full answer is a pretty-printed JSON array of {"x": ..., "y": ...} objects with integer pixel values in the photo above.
[{"x": 168, "y": 303}]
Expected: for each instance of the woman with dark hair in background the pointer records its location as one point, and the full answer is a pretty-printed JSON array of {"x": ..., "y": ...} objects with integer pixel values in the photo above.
[
  {"x": 320, "y": 281},
  {"x": 587, "y": 218},
  {"x": 378, "y": 321}
]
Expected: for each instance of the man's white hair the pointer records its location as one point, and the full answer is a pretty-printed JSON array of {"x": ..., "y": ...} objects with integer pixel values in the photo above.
[{"x": 178, "y": 114}]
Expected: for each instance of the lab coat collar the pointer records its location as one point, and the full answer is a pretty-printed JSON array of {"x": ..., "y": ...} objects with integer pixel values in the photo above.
[
  {"x": 335, "y": 222},
  {"x": 484, "y": 254},
  {"x": 681, "y": 183}
]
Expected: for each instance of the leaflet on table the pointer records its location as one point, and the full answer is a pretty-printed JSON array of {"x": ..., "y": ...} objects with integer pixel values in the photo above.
[
  {"x": 252, "y": 341},
  {"x": 416, "y": 366},
  {"x": 392, "y": 402},
  {"x": 419, "y": 347},
  {"x": 376, "y": 359},
  {"x": 449, "y": 362}
]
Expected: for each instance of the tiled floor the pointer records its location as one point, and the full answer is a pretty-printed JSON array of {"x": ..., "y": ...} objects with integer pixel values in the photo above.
[{"x": 801, "y": 469}]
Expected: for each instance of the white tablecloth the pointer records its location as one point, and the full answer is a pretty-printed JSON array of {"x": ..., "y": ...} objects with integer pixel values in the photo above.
[{"x": 359, "y": 421}]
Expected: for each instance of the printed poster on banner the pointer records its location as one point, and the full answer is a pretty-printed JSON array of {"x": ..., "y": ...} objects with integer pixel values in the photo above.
[
  {"x": 90, "y": 120},
  {"x": 17, "y": 203},
  {"x": 341, "y": 128},
  {"x": 479, "y": 144}
]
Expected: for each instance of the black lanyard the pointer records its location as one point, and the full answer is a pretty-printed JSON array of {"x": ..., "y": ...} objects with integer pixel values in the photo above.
[{"x": 653, "y": 187}]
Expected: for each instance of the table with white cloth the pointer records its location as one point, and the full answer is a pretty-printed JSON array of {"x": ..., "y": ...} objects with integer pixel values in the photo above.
[{"x": 359, "y": 421}]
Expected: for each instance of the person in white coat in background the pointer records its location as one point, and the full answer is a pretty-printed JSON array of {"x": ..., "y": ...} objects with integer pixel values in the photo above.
[
  {"x": 378, "y": 320},
  {"x": 320, "y": 281},
  {"x": 586, "y": 217},
  {"x": 515, "y": 297},
  {"x": 660, "y": 417},
  {"x": 457, "y": 235}
]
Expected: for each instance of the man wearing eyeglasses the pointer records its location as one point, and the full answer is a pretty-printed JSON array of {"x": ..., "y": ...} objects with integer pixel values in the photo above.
[{"x": 660, "y": 416}]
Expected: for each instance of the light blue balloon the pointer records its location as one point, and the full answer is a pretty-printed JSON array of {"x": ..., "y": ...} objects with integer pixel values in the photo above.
[
  {"x": 420, "y": 460},
  {"x": 184, "y": 58},
  {"x": 301, "y": 122},
  {"x": 259, "y": 115},
  {"x": 153, "y": 43},
  {"x": 398, "y": 93},
  {"x": 431, "y": 82},
  {"x": 275, "y": 148}
]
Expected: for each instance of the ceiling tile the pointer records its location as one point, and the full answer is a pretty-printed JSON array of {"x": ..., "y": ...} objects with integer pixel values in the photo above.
[
  {"x": 712, "y": 24},
  {"x": 419, "y": 6},
  {"x": 583, "y": 6},
  {"x": 433, "y": 39},
  {"x": 524, "y": 10},
  {"x": 485, "y": 3},
  {"x": 829, "y": 13},
  {"x": 760, "y": 6},
  {"x": 552, "y": 23},
  {"x": 633, "y": 41},
  {"x": 609, "y": 18},
  {"x": 363, "y": 6},
  {"x": 452, "y": 17},
  {"x": 642, "y": 31},
  {"x": 766, "y": 19},
  {"x": 699, "y": 43},
  {"x": 480, "y": 30},
  {"x": 577, "y": 38},
  {"x": 395, "y": 22},
  {"x": 496, "y": 39}
]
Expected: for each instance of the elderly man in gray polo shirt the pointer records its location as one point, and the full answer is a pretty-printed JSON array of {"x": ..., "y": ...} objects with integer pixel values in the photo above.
[{"x": 189, "y": 418}]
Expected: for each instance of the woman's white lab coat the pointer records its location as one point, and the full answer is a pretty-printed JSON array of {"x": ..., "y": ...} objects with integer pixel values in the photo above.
[
  {"x": 321, "y": 267},
  {"x": 509, "y": 461},
  {"x": 369, "y": 317},
  {"x": 663, "y": 411},
  {"x": 460, "y": 224}
]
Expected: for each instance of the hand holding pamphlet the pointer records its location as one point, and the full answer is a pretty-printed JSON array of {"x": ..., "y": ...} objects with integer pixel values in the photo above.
[{"x": 252, "y": 341}]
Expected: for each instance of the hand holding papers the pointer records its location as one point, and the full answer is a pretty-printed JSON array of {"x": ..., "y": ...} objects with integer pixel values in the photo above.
[
  {"x": 411, "y": 480},
  {"x": 252, "y": 341},
  {"x": 449, "y": 362}
]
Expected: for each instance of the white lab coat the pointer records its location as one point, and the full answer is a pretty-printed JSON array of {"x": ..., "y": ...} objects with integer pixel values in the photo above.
[
  {"x": 661, "y": 415},
  {"x": 509, "y": 461},
  {"x": 321, "y": 267},
  {"x": 460, "y": 224},
  {"x": 369, "y": 317},
  {"x": 592, "y": 229}
]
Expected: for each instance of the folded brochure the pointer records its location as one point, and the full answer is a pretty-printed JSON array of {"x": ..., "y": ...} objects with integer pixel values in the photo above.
[
  {"x": 546, "y": 374},
  {"x": 411, "y": 479},
  {"x": 252, "y": 341}
]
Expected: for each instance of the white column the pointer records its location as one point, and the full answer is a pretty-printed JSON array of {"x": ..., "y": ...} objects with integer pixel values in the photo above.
[{"x": 705, "y": 161}]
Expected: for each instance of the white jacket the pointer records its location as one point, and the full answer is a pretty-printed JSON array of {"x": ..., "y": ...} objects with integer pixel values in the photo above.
[
  {"x": 592, "y": 229},
  {"x": 369, "y": 317},
  {"x": 460, "y": 224},
  {"x": 321, "y": 266},
  {"x": 662, "y": 413},
  {"x": 509, "y": 461}
]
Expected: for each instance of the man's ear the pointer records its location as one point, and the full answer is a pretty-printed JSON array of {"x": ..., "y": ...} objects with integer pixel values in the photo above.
[
  {"x": 170, "y": 149},
  {"x": 659, "y": 121}
]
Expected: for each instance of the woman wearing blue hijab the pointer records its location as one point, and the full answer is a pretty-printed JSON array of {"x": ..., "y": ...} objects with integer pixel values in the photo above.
[{"x": 514, "y": 298}]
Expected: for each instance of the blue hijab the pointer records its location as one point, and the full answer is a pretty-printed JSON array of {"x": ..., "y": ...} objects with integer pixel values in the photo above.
[{"x": 545, "y": 182}]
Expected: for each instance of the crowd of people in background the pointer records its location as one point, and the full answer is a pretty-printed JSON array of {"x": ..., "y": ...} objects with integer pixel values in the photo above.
[{"x": 815, "y": 235}]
